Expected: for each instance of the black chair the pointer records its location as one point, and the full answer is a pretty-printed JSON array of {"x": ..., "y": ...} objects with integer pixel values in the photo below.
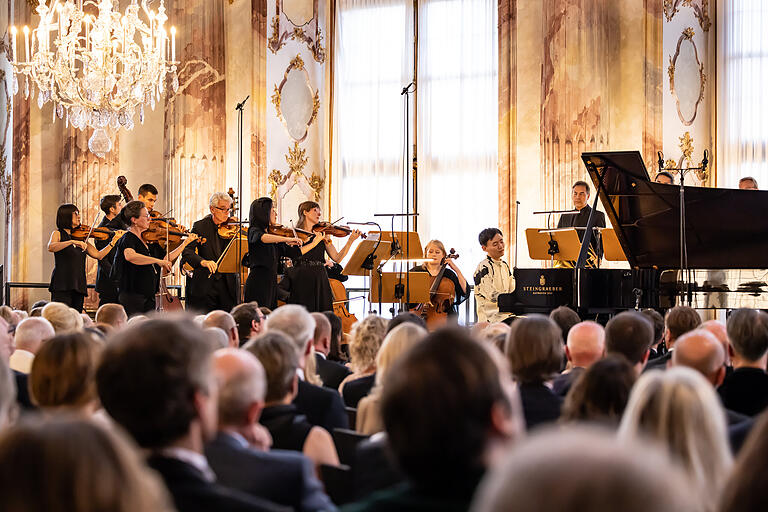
[
  {"x": 339, "y": 483},
  {"x": 351, "y": 416},
  {"x": 346, "y": 442}
]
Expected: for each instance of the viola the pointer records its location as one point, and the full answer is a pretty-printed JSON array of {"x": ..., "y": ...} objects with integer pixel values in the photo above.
[
  {"x": 337, "y": 230},
  {"x": 231, "y": 228},
  {"x": 280, "y": 230},
  {"x": 167, "y": 234},
  {"x": 442, "y": 295}
]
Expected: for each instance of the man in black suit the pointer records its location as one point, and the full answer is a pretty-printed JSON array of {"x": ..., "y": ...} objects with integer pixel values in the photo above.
[
  {"x": 280, "y": 476},
  {"x": 630, "y": 334},
  {"x": 155, "y": 380},
  {"x": 678, "y": 321},
  {"x": 106, "y": 287},
  {"x": 322, "y": 406},
  {"x": 746, "y": 389},
  {"x": 331, "y": 372},
  {"x": 207, "y": 289},
  {"x": 580, "y": 196}
]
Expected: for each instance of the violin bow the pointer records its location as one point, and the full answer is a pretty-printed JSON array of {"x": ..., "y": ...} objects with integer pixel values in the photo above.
[{"x": 98, "y": 215}]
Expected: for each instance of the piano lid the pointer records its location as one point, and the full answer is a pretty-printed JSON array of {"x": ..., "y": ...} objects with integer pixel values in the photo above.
[{"x": 725, "y": 228}]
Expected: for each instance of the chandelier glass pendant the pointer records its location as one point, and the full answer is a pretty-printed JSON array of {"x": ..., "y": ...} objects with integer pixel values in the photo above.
[{"x": 98, "y": 67}]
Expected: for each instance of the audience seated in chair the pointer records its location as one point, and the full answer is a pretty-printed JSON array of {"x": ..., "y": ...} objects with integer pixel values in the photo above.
[
  {"x": 249, "y": 320},
  {"x": 678, "y": 321},
  {"x": 226, "y": 323},
  {"x": 600, "y": 394},
  {"x": 113, "y": 315},
  {"x": 330, "y": 372},
  {"x": 629, "y": 334},
  {"x": 565, "y": 318},
  {"x": 584, "y": 346},
  {"x": 746, "y": 490},
  {"x": 658, "y": 348},
  {"x": 367, "y": 336},
  {"x": 28, "y": 338}
]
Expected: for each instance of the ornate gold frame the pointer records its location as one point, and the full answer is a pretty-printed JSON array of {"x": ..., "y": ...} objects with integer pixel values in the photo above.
[
  {"x": 686, "y": 35},
  {"x": 671, "y": 7},
  {"x": 298, "y": 64},
  {"x": 278, "y": 38},
  {"x": 297, "y": 160}
]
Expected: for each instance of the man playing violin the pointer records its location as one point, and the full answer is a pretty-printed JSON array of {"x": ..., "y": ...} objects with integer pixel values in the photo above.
[
  {"x": 207, "y": 289},
  {"x": 148, "y": 196},
  {"x": 68, "y": 281},
  {"x": 110, "y": 204}
]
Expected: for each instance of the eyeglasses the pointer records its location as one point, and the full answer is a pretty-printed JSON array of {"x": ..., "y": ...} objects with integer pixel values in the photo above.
[{"x": 220, "y": 208}]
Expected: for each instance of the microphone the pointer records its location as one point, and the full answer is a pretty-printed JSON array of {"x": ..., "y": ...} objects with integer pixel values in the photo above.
[
  {"x": 661, "y": 161},
  {"x": 241, "y": 105},
  {"x": 407, "y": 88},
  {"x": 704, "y": 162}
]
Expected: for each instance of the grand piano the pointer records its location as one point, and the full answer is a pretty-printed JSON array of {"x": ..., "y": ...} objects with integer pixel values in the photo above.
[{"x": 727, "y": 248}]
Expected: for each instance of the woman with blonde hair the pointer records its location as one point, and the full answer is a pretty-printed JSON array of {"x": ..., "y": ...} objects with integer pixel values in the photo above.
[
  {"x": 435, "y": 251},
  {"x": 366, "y": 338},
  {"x": 679, "y": 409},
  {"x": 395, "y": 344},
  {"x": 62, "y": 317},
  {"x": 87, "y": 468}
]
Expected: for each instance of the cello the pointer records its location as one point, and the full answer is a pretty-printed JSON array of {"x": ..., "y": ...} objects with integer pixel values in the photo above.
[{"x": 442, "y": 295}]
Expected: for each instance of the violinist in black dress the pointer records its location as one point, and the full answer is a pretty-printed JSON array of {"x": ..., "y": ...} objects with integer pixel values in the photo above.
[
  {"x": 264, "y": 252},
  {"x": 134, "y": 268},
  {"x": 309, "y": 284},
  {"x": 208, "y": 289},
  {"x": 435, "y": 251},
  {"x": 68, "y": 282}
]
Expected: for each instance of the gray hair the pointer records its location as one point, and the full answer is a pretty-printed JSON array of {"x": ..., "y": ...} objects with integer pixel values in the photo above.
[
  {"x": 219, "y": 196},
  {"x": 295, "y": 322},
  {"x": 31, "y": 332},
  {"x": 238, "y": 392},
  {"x": 216, "y": 337}
]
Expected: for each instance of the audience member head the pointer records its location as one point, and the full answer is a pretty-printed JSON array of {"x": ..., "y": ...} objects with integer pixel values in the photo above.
[
  {"x": 242, "y": 388},
  {"x": 748, "y": 332},
  {"x": 155, "y": 380},
  {"x": 680, "y": 410},
  {"x": 495, "y": 333},
  {"x": 31, "y": 333},
  {"x": 277, "y": 355},
  {"x": 366, "y": 338},
  {"x": 678, "y": 321},
  {"x": 399, "y": 340},
  {"x": 406, "y": 317},
  {"x": 664, "y": 177},
  {"x": 658, "y": 325},
  {"x": 249, "y": 320},
  {"x": 87, "y": 468},
  {"x": 630, "y": 334},
  {"x": 322, "y": 335},
  {"x": 574, "y": 470},
  {"x": 10, "y": 316},
  {"x": 700, "y": 350},
  {"x": 747, "y": 487},
  {"x": 226, "y": 323},
  {"x": 335, "y": 353},
  {"x": 36, "y": 312},
  {"x": 748, "y": 183},
  {"x": 295, "y": 322},
  {"x": 6, "y": 341},
  {"x": 112, "y": 314},
  {"x": 445, "y": 406},
  {"x": 720, "y": 332},
  {"x": 40, "y": 304},
  {"x": 7, "y": 395},
  {"x": 565, "y": 318},
  {"x": 600, "y": 394},
  {"x": 136, "y": 319},
  {"x": 534, "y": 348},
  {"x": 217, "y": 339},
  {"x": 62, "y": 317},
  {"x": 63, "y": 373},
  {"x": 87, "y": 322},
  {"x": 586, "y": 344}
]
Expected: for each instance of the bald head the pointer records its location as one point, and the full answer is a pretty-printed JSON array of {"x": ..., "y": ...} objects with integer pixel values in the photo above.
[
  {"x": 701, "y": 350},
  {"x": 32, "y": 332},
  {"x": 226, "y": 323},
  {"x": 242, "y": 385},
  {"x": 721, "y": 333},
  {"x": 586, "y": 344},
  {"x": 322, "y": 337},
  {"x": 112, "y": 314}
]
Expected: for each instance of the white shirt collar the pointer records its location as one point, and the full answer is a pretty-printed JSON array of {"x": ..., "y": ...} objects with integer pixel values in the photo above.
[
  {"x": 300, "y": 373},
  {"x": 197, "y": 460}
]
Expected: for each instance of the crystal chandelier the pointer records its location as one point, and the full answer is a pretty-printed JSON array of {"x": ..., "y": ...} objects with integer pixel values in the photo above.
[{"x": 98, "y": 68}]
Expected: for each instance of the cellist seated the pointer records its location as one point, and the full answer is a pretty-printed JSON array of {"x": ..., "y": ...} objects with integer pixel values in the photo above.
[{"x": 456, "y": 294}]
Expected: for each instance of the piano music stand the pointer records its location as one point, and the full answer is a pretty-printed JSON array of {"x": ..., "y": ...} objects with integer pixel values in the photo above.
[
  {"x": 612, "y": 250},
  {"x": 566, "y": 239}
]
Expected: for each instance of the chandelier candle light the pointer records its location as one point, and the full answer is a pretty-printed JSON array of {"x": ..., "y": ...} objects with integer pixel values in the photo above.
[{"x": 99, "y": 68}]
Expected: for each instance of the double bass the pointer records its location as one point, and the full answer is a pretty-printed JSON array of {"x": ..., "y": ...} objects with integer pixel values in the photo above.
[{"x": 442, "y": 295}]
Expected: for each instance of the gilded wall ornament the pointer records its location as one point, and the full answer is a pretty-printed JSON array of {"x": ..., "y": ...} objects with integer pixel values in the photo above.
[
  {"x": 687, "y": 79},
  {"x": 686, "y": 147},
  {"x": 302, "y": 33},
  {"x": 283, "y": 183},
  {"x": 296, "y": 102},
  {"x": 700, "y": 11}
]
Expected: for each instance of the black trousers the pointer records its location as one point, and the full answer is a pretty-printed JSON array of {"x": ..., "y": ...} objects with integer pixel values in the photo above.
[
  {"x": 212, "y": 294},
  {"x": 71, "y": 298},
  {"x": 136, "y": 304}
]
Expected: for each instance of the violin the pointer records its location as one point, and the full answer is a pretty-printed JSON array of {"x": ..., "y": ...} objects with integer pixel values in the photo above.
[
  {"x": 231, "y": 228},
  {"x": 82, "y": 233},
  {"x": 280, "y": 230},
  {"x": 156, "y": 222},
  {"x": 442, "y": 295},
  {"x": 334, "y": 229},
  {"x": 166, "y": 234}
]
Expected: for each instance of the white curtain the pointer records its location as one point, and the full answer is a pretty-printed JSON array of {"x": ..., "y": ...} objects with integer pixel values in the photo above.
[
  {"x": 373, "y": 62},
  {"x": 458, "y": 124},
  {"x": 742, "y": 114}
]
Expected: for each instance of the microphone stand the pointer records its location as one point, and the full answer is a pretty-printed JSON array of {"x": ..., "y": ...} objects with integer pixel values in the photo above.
[
  {"x": 238, "y": 277},
  {"x": 367, "y": 263}
]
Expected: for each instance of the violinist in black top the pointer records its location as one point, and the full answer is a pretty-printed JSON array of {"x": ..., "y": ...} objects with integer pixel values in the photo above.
[
  {"x": 435, "y": 251},
  {"x": 207, "y": 289},
  {"x": 68, "y": 282},
  {"x": 134, "y": 268},
  {"x": 264, "y": 252},
  {"x": 107, "y": 289}
]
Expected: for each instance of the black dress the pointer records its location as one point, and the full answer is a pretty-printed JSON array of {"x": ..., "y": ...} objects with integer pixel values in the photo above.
[
  {"x": 288, "y": 428},
  {"x": 137, "y": 284},
  {"x": 68, "y": 283},
  {"x": 449, "y": 274},
  {"x": 107, "y": 288},
  {"x": 263, "y": 258},
  {"x": 309, "y": 281}
]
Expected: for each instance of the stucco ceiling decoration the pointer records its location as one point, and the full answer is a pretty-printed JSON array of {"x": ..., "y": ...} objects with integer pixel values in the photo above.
[{"x": 687, "y": 79}]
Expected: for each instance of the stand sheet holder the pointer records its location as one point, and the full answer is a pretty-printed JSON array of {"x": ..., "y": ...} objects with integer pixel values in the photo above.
[
  {"x": 553, "y": 244},
  {"x": 229, "y": 263},
  {"x": 420, "y": 283}
]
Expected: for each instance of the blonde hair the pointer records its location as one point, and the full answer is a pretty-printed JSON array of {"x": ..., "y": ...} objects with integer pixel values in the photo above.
[
  {"x": 310, "y": 369},
  {"x": 679, "y": 409},
  {"x": 395, "y": 344},
  {"x": 367, "y": 336},
  {"x": 436, "y": 243},
  {"x": 63, "y": 318}
]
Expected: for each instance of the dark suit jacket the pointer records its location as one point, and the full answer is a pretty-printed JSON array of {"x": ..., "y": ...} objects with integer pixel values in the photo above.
[
  {"x": 562, "y": 383},
  {"x": 374, "y": 468},
  {"x": 331, "y": 372},
  {"x": 105, "y": 285},
  {"x": 322, "y": 406},
  {"x": 745, "y": 391},
  {"x": 22, "y": 391},
  {"x": 737, "y": 434},
  {"x": 660, "y": 363},
  {"x": 191, "y": 492},
  {"x": 540, "y": 404},
  {"x": 354, "y": 390},
  {"x": 200, "y": 284},
  {"x": 283, "y": 477}
]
